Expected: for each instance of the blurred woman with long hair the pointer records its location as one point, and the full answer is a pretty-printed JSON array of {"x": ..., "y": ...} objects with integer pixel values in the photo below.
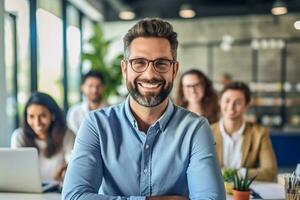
[
  {"x": 44, "y": 127},
  {"x": 196, "y": 93}
]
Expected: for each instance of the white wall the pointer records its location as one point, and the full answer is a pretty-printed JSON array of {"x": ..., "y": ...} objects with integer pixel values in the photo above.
[{"x": 3, "y": 121}]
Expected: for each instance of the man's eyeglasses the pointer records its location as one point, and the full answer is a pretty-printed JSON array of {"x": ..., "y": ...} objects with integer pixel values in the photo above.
[
  {"x": 161, "y": 65},
  {"x": 196, "y": 85}
]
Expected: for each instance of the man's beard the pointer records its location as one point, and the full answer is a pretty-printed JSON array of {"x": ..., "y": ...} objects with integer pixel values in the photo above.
[
  {"x": 96, "y": 99},
  {"x": 151, "y": 99}
]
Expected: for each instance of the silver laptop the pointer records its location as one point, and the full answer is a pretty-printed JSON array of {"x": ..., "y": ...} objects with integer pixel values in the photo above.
[{"x": 19, "y": 171}]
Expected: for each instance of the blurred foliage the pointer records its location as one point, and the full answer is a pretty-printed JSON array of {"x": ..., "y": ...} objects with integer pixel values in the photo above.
[
  {"x": 98, "y": 59},
  {"x": 242, "y": 183},
  {"x": 228, "y": 174}
]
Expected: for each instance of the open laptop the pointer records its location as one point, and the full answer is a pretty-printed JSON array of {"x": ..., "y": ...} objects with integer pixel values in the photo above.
[{"x": 19, "y": 171}]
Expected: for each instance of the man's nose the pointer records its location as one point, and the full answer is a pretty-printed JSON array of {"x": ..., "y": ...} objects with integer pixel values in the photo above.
[
  {"x": 231, "y": 106},
  {"x": 151, "y": 68},
  {"x": 94, "y": 89}
]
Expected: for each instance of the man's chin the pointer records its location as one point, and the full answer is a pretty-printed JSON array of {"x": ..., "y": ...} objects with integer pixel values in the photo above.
[
  {"x": 95, "y": 100},
  {"x": 148, "y": 100},
  {"x": 232, "y": 117}
]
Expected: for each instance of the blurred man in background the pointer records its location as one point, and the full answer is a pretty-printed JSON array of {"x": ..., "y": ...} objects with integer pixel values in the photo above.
[
  {"x": 240, "y": 144},
  {"x": 92, "y": 87}
]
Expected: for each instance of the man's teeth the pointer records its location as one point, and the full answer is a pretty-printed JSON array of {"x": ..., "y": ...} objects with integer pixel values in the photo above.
[{"x": 150, "y": 85}]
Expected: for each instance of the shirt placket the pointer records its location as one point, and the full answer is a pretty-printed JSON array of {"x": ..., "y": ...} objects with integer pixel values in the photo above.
[{"x": 146, "y": 168}]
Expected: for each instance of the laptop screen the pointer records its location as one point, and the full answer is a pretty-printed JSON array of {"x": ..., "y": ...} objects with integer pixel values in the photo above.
[{"x": 19, "y": 170}]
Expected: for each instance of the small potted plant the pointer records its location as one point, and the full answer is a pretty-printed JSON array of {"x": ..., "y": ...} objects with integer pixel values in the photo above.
[
  {"x": 228, "y": 175},
  {"x": 241, "y": 190}
]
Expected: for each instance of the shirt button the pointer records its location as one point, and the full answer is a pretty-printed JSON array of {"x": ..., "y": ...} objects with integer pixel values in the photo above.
[
  {"x": 147, "y": 146},
  {"x": 145, "y": 171}
]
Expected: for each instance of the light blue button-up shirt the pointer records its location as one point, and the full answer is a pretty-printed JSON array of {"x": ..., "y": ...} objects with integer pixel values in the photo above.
[{"x": 113, "y": 159}]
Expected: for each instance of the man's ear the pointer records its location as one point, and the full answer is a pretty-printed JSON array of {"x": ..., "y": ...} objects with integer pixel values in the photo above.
[
  {"x": 124, "y": 69},
  {"x": 176, "y": 67}
]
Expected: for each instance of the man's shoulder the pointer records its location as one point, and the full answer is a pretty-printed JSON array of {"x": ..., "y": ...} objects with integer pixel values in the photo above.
[
  {"x": 185, "y": 115},
  {"x": 75, "y": 108},
  {"x": 256, "y": 129},
  {"x": 109, "y": 110}
]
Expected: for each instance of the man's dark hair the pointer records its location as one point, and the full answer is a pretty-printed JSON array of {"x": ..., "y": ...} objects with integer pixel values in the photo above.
[
  {"x": 238, "y": 85},
  {"x": 151, "y": 27},
  {"x": 94, "y": 74}
]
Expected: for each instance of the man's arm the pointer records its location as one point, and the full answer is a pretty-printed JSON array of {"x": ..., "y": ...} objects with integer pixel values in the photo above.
[
  {"x": 85, "y": 171},
  {"x": 204, "y": 175}
]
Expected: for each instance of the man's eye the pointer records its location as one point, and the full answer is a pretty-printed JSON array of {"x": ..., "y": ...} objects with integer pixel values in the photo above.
[
  {"x": 139, "y": 62},
  {"x": 161, "y": 62}
]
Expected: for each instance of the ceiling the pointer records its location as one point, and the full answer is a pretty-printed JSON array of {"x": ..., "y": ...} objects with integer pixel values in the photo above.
[{"x": 168, "y": 9}]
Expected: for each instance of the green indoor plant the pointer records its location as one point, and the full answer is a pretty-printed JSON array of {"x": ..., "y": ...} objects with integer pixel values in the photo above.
[
  {"x": 241, "y": 190},
  {"x": 98, "y": 61},
  {"x": 228, "y": 175}
]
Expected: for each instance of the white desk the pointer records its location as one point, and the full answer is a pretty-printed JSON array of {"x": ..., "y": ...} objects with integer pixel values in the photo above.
[
  {"x": 29, "y": 196},
  {"x": 267, "y": 190}
]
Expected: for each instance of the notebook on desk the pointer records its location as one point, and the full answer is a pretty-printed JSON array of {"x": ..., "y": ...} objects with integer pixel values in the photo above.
[{"x": 19, "y": 171}]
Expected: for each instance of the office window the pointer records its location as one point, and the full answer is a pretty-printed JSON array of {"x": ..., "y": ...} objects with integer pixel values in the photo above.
[
  {"x": 74, "y": 51},
  {"x": 9, "y": 59},
  {"x": 20, "y": 8},
  {"x": 87, "y": 32},
  {"x": 50, "y": 52}
]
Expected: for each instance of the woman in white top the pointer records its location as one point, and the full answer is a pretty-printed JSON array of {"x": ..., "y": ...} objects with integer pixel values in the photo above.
[{"x": 45, "y": 128}]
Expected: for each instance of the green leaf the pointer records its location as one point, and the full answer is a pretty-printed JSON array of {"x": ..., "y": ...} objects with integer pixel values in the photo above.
[
  {"x": 242, "y": 183},
  {"x": 97, "y": 58},
  {"x": 248, "y": 185}
]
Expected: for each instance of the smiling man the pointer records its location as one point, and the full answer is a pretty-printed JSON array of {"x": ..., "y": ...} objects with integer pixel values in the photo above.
[
  {"x": 241, "y": 144},
  {"x": 145, "y": 147}
]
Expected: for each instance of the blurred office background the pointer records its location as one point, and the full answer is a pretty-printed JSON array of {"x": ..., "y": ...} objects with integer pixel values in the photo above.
[{"x": 256, "y": 41}]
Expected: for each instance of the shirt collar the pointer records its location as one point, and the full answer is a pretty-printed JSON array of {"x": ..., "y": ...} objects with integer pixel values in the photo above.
[
  {"x": 162, "y": 121},
  {"x": 236, "y": 135}
]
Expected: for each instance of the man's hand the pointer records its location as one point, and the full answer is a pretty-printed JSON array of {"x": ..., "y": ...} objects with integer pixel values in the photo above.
[{"x": 167, "y": 198}]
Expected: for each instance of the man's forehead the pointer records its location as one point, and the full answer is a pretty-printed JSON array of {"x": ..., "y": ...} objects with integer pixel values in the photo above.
[
  {"x": 93, "y": 79},
  {"x": 151, "y": 45},
  {"x": 231, "y": 93}
]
